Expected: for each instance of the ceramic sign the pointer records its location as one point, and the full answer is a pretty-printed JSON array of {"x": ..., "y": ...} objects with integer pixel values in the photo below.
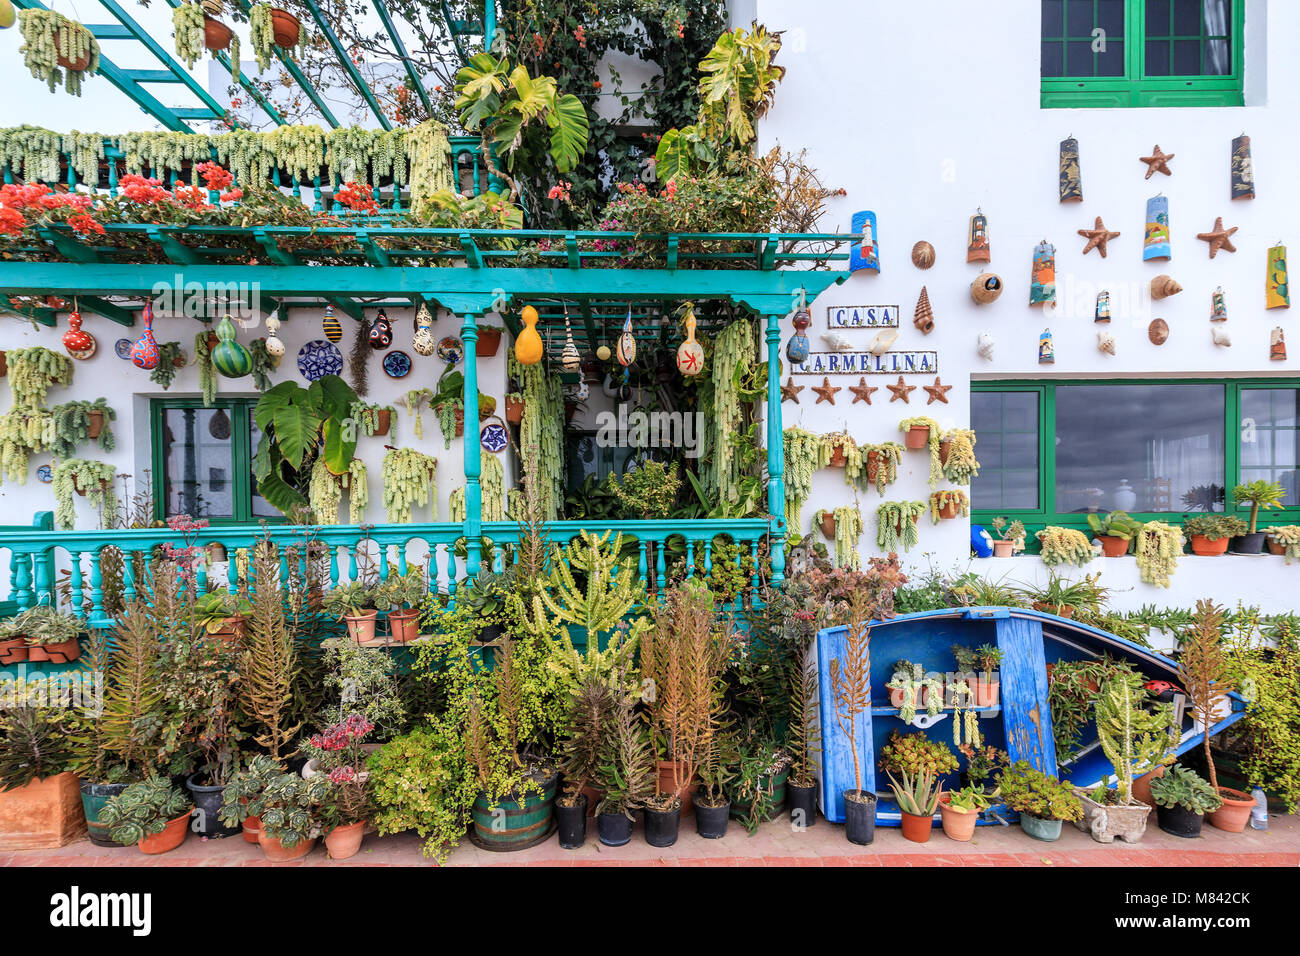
[
  {"x": 865, "y": 253},
  {"x": 493, "y": 437},
  {"x": 861, "y": 316},
  {"x": 854, "y": 363}
]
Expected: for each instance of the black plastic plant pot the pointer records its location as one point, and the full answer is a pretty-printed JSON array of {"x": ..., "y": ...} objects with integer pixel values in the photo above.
[
  {"x": 613, "y": 829},
  {"x": 803, "y": 804},
  {"x": 661, "y": 826},
  {"x": 1179, "y": 821},
  {"x": 859, "y": 818},
  {"x": 489, "y": 634},
  {"x": 207, "y": 801},
  {"x": 711, "y": 822},
  {"x": 1248, "y": 543},
  {"x": 572, "y": 823}
]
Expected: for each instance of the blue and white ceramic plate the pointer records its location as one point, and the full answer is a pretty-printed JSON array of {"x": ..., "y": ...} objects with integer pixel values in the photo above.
[
  {"x": 493, "y": 437},
  {"x": 451, "y": 350},
  {"x": 397, "y": 364},
  {"x": 45, "y": 474},
  {"x": 123, "y": 348},
  {"x": 319, "y": 357}
]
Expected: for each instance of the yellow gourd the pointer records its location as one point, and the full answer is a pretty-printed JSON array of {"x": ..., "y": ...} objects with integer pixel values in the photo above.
[{"x": 528, "y": 346}]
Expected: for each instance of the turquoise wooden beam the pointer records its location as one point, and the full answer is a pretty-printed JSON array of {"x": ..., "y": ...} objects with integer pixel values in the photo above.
[
  {"x": 473, "y": 453},
  {"x": 294, "y": 70},
  {"x": 346, "y": 63},
  {"x": 108, "y": 310},
  {"x": 412, "y": 74},
  {"x": 775, "y": 450}
]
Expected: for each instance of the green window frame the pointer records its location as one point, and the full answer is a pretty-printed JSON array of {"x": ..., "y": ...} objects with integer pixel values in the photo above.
[
  {"x": 1036, "y": 519},
  {"x": 1135, "y": 87},
  {"x": 241, "y": 457}
]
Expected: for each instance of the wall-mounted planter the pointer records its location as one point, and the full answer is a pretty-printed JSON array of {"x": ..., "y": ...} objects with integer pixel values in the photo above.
[
  {"x": 285, "y": 27},
  {"x": 216, "y": 35},
  {"x": 489, "y": 340},
  {"x": 917, "y": 437}
]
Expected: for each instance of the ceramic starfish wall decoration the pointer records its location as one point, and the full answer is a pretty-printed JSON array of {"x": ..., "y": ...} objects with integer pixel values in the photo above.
[
  {"x": 862, "y": 391},
  {"x": 938, "y": 392},
  {"x": 1097, "y": 238},
  {"x": 1157, "y": 161},
  {"x": 1218, "y": 237},
  {"x": 825, "y": 391},
  {"x": 901, "y": 391},
  {"x": 790, "y": 391}
]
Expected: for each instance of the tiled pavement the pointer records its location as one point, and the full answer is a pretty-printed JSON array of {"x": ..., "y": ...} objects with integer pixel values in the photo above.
[{"x": 775, "y": 844}]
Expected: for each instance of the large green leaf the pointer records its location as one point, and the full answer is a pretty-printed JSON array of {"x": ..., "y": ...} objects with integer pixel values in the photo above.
[
  {"x": 332, "y": 396},
  {"x": 297, "y": 427},
  {"x": 337, "y": 451},
  {"x": 673, "y": 157},
  {"x": 281, "y": 495},
  {"x": 479, "y": 86},
  {"x": 274, "y": 399},
  {"x": 569, "y": 130}
]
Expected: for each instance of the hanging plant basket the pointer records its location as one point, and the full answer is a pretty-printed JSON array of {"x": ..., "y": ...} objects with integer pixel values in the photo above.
[
  {"x": 64, "y": 39},
  {"x": 514, "y": 410},
  {"x": 103, "y": 486},
  {"x": 94, "y": 423},
  {"x": 216, "y": 35},
  {"x": 489, "y": 340},
  {"x": 285, "y": 27},
  {"x": 828, "y": 525}
]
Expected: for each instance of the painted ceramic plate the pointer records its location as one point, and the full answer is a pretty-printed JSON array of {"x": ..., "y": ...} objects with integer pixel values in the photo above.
[
  {"x": 397, "y": 364},
  {"x": 319, "y": 357},
  {"x": 123, "y": 348},
  {"x": 451, "y": 350},
  {"x": 45, "y": 474},
  {"x": 493, "y": 437}
]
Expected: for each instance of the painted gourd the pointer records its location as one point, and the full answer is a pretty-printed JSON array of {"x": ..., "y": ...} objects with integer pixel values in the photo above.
[
  {"x": 144, "y": 354},
  {"x": 381, "y": 333},
  {"x": 796, "y": 350},
  {"x": 423, "y": 341},
  {"x": 75, "y": 340},
  {"x": 330, "y": 326},
  {"x": 627, "y": 342},
  {"x": 528, "y": 346},
  {"x": 569, "y": 357},
  {"x": 274, "y": 344},
  {"x": 7, "y": 14},
  {"x": 229, "y": 357},
  {"x": 690, "y": 354}
]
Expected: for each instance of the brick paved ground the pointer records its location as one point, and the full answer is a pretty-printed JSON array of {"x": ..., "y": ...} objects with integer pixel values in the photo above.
[{"x": 775, "y": 844}]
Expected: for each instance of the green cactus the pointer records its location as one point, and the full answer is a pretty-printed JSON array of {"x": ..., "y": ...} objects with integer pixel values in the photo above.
[{"x": 1132, "y": 737}]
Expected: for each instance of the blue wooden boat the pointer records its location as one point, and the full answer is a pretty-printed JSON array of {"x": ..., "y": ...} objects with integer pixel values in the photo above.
[{"x": 1021, "y": 723}]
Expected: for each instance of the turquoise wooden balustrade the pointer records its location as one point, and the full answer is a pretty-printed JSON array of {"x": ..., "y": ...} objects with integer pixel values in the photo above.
[{"x": 352, "y": 552}]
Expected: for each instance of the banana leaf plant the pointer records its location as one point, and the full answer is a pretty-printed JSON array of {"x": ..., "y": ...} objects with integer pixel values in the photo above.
[{"x": 298, "y": 426}]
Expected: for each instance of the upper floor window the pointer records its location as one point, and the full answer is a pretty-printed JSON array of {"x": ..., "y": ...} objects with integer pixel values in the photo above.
[{"x": 1100, "y": 53}]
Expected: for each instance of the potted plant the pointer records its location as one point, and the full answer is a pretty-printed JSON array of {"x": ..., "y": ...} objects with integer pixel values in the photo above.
[
  {"x": 1059, "y": 545},
  {"x": 948, "y": 504},
  {"x": 288, "y": 807},
  {"x": 1210, "y": 534},
  {"x": 51, "y": 41},
  {"x": 583, "y": 747},
  {"x": 1203, "y": 670},
  {"x": 374, "y": 420},
  {"x": 626, "y": 778},
  {"x": 1043, "y": 802},
  {"x": 983, "y": 764},
  {"x": 222, "y": 615},
  {"x": 1182, "y": 799},
  {"x": 92, "y": 479},
  {"x": 486, "y": 595},
  {"x": 1134, "y": 739},
  {"x": 850, "y": 674},
  {"x": 40, "y": 805},
  {"x": 1063, "y": 598},
  {"x": 918, "y": 429},
  {"x": 957, "y": 456},
  {"x": 1011, "y": 537},
  {"x": 909, "y": 689},
  {"x": 982, "y": 664},
  {"x": 400, "y": 597},
  {"x": 338, "y": 756},
  {"x": 354, "y": 603},
  {"x": 1285, "y": 540},
  {"x": 1258, "y": 494},
  {"x": 515, "y": 407},
  {"x": 77, "y": 422},
  {"x": 489, "y": 340},
  {"x": 1115, "y": 532},
  {"x": 841, "y": 450},
  {"x": 922, "y": 765},
  {"x": 805, "y": 739},
  {"x": 918, "y": 798},
  {"x": 153, "y": 815},
  {"x": 960, "y": 811},
  {"x": 881, "y": 465},
  {"x": 49, "y": 635}
]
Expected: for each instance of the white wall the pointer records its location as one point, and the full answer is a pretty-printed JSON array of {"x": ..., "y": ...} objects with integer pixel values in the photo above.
[{"x": 924, "y": 111}]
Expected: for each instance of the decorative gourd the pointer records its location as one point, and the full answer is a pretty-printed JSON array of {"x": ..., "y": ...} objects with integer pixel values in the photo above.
[
  {"x": 627, "y": 342},
  {"x": 274, "y": 344},
  {"x": 381, "y": 333},
  {"x": 330, "y": 326},
  {"x": 690, "y": 354},
  {"x": 423, "y": 341},
  {"x": 229, "y": 357},
  {"x": 144, "y": 354},
  {"x": 569, "y": 357},
  {"x": 796, "y": 350},
  {"x": 528, "y": 346},
  {"x": 80, "y": 344}
]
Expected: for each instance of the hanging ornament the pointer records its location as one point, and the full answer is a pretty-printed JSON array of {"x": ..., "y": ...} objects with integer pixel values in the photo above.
[
  {"x": 569, "y": 357},
  {"x": 144, "y": 354},
  {"x": 690, "y": 354},
  {"x": 1163, "y": 286},
  {"x": 1277, "y": 293},
  {"x": 796, "y": 350},
  {"x": 1277, "y": 345},
  {"x": 1046, "y": 352},
  {"x": 1098, "y": 236},
  {"x": 1070, "y": 182},
  {"x": 451, "y": 350},
  {"x": 423, "y": 341},
  {"x": 1218, "y": 306},
  {"x": 984, "y": 346},
  {"x": 330, "y": 326},
  {"x": 528, "y": 345},
  {"x": 883, "y": 341},
  {"x": 80, "y": 344},
  {"x": 1155, "y": 242},
  {"x": 219, "y": 425},
  {"x": 1158, "y": 332},
  {"x": 865, "y": 253},
  {"x": 986, "y": 287},
  {"x": 923, "y": 317},
  {"x": 1042, "y": 284},
  {"x": 627, "y": 341},
  {"x": 583, "y": 392},
  {"x": 380, "y": 335},
  {"x": 1157, "y": 162},
  {"x": 977, "y": 246},
  {"x": 1103, "y": 307},
  {"x": 1219, "y": 335},
  {"x": 923, "y": 255},
  {"x": 229, "y": 357},
  {"x": 274, "y": 344},
  {"x": 1243, "y": 170},
  {"x": 1218, "y": 238},
  {"x": 1105, "y": 341}
]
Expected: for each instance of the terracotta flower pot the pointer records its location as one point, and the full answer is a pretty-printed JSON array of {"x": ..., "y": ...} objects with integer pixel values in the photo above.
[
  {"x": 1003, "y": 549},
  {"x": 343, "y": 842},
  {"x": 404, "y": 625},
  {"x": 489, "y": 340},
  {"x": 1060, "y": 610},
  {"x": 64, "y": 652},
  {"x": 1204, "y": 546},
  {"x": 917, "y": 828},
  {"x": 460, "y": 420},
  {"x": 1142, "y": 786},
  {"x": 917, "y": 437},
  {"x": 949, "y": 510},
  {"x": 285, "y": 28},
  {"x": 873, "y": 466},
  {"x": 94, "y": 423},
  {"x": 383, "y": 421},
  {"x": 77, "y": 65},
  {"x": 828, "y": 526},
  {"x": 1112, "y": 546},
  {"x": 173, "y": 835},
  {"x": 1275, "y": 548},
  {"x": 252, "y": 827},
  {"x": 957, "y": 825},
  {"x": 1235, "y": 812},
  {"x": 361, "y": 627},
  {"x": 687, "y": 791},
  {"x": 277, "y": 852},
  {"x": 945, "y": 448},
  {"x": 984, "y": 691},
  {"x": 838, "y": 459},
  {"x": 216, "y": 35},
  {"x": 13, "y": 650},
  {"x": 514, "y": 410},
  {"x": 42, "y": 814},
  {"x": 919, "y": 697},
  {"x": 103, "y": 486}
]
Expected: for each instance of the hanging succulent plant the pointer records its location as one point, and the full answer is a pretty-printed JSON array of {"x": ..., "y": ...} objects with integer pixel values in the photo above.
[
  {"x": 52, "y": 41},
  {"x": 187, "y": 31}
]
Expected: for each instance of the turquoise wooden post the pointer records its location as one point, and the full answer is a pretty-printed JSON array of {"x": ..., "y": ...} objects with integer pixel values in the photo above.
[
  {"x": 473, "y": 456},
  {"x": 775, "y": 450}
]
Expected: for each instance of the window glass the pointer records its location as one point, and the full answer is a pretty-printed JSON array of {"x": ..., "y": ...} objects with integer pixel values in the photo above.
[
  {"x": 1269, "y": 423},
  {"x": 1143, "y": 448},
  {"x": 1071, "y": 47},
  {"x": 1006, "y": 444},
  {"x": 261, "y": 507},
  {"x": 1188, "y": 37},
  {"x": 197, "y": 458}
]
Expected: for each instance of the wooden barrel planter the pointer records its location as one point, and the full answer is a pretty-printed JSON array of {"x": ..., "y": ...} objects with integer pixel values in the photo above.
[{"x": 515, "y": 823}]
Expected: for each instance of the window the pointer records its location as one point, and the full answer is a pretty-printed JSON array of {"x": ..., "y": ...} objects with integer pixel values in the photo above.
[
  {"x": 1100, "y": 53},
  {"x": 202, "y": 461},
  {"x": 1053, "y": 452}
]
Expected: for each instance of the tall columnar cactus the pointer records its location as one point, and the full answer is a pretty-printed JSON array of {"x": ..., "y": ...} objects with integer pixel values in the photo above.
[{"x": 1132, "y": 737}]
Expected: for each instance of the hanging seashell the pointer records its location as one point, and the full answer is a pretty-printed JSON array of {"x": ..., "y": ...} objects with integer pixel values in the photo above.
[
  {"x": 1105, "y": 341},
  {"x": 923, "y": 255},
  {"x": 837, "y": 342},
  {"x": 984, "y": 346},
  {"x": 690, "y": 354},
  {"x": 330, "y": 326},
  {"x": 528, "y": 345},
  {"x": 986, "y": 287},
  {"x": 627, "y": 341},
  {"x": 569, "y": 357},
  {"x": 1158, "y": 331},
  {"x": 1277, "y": 345},
  {"x": 923, "y": 317},
  {"x": 1220, "y": 336},
  {"x": 1163, "y": 286},
  {"x": 882, "y": 341}
]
